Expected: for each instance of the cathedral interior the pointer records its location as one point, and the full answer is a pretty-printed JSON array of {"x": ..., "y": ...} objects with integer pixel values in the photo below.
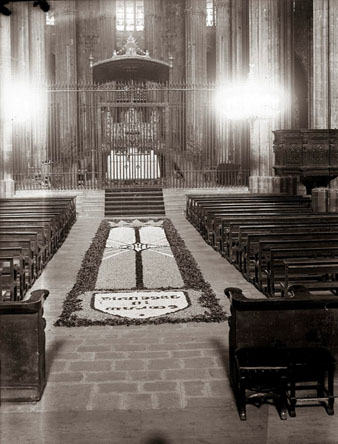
[{"x": 194, "y": 117}]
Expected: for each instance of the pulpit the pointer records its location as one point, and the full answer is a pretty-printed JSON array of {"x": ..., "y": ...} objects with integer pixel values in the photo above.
[{"x": 311, "y": 154}]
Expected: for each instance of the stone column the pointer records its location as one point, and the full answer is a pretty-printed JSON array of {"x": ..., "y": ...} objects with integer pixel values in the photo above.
[
  {"x": 107, "y": 29},
  {"x": 6, "y": 145},
  {"x": 195, "y": 32},
  {"x": 223, "y": 74},
  {"x": 196, "y": 74},
  {"x": 223, "y": 41},
  {"x": 240, "y": 69},
  {"x": 37, "y": 23},
  {"x": 333, "y": 63},
  {"x": 325, "y": 64},
  {"x": 153, "y": 28},
  {"x": 22, "y": 151},
  {"x": 320, "y": 116},
  {"x": 66, "y": 74},
  {"x": 268, "y": 67},
  {"x": 66, "y": 42},
  {"x": 324, "y": 113}
]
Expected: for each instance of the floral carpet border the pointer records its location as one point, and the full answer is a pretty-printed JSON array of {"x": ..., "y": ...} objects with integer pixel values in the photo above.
[{"x": 87, "y": 276}]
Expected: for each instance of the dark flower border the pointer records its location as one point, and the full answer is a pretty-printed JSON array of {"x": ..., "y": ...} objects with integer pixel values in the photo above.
[{"x": 87, "y": 275}]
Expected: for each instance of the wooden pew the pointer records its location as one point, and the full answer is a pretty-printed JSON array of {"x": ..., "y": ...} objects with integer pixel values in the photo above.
[
  {"x": 21, "y": 262},
  {"x": 311, "y": 273},
  {"x": 36, "y": 225},
  {"x": 211, "y": 221},
  {"x": 212, "y": 230},
  {"x": 47, "y": 223},
  {"x": 205, "y": 212},
  {"x": 192, "y": 201},
  {"x": 230, "y": 225},
  {"x": 44, "y": 235},
  {"x": 55, "y": 224},
  {"x": 281, "y": 335},
  {"x": 29, "y": 254},
  {"x": 22, "y": 349},
  {"x": 275, "y": 270},
  {"x": 8, "y": 279},
  {"x": 264, "y": 247},
  {"x": 247, "y": 254},
  {"x": 66, "y": 205},
  {"x": 38, "y": 248},
  {"x": 237, "y": 235}
]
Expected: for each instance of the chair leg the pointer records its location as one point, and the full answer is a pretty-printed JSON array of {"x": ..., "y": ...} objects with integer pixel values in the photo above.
[
  {"x": 330, "y": 403},
  {"x": 282, "y": 397},
  {"x": 321, "y": 384},
  {"x": 241, "y": 399},
  {"x": 292, "y": 401}
]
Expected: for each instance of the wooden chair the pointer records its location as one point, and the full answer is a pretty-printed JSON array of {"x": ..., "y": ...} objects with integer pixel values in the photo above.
[
  {"x": 259, "y": 374},
  {"x": 274, "y": 349}
]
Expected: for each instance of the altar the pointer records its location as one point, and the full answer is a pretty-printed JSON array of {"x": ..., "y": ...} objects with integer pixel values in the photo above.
[{"x": 133, "y": 164}]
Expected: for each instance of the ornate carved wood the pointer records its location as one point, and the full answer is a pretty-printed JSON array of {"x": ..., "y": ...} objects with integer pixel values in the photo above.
[{"x": 311, "y": 154}]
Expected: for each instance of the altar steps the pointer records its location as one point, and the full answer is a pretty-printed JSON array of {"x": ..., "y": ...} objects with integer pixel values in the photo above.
[{"x": 140, "y": 202}]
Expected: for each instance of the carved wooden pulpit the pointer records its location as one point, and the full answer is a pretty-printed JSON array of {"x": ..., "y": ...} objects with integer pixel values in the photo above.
[{"x": 311, "y": 154}]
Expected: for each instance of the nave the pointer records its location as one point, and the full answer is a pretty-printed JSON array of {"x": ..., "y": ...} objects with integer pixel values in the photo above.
[{"x": 164, "y": 383}]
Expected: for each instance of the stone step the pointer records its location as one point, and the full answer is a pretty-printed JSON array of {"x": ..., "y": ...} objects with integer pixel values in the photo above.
[
  {"x": 134, "y": 213},
  {"x": 133, "y": 199},
  {"x": 132, "y": 208},
  {"x": 132, "y": 195},
  {"x": 131, "y": 190},
  {"x": 134, "y": 202},
  {"x": 143, "y": 203}
]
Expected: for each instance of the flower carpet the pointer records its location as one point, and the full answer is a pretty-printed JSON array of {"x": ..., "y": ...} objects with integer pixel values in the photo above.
[{"x": 137, "y": 272}]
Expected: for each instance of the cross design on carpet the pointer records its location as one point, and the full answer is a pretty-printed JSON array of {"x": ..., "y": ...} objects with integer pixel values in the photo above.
[{"x": 139, "y": 272}]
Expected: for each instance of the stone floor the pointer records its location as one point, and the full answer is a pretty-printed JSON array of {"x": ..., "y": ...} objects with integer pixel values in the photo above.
[{"x": 165, "y": 384}]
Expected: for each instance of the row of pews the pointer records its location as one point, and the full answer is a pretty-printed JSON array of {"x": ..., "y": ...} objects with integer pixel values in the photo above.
[
  {"x": 282, "y": 348},
  {"x": 31, "y": 231},
  {"x": 276, "y": 241}
]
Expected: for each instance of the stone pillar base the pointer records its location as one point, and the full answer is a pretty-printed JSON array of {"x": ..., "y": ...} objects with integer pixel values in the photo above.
[
  {"x": 264, "y": 184},
  {"x": 7, "y": 188},
  {"x": 274, "y": 184},
  {"x": 325, "y": 200}
]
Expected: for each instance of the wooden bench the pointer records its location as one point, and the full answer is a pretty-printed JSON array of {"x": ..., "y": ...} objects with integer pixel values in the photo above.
[
  {"x": 213, "y": 226},
  {"x": 238, "y": 239},
  {"x": 205, "y": 212},
  {"x": 21, "y": 263},
  {"x": 275, "y": 269},
  {"x": 9, "y": 290},
  {"x": 230, "y": 225},
  {"x": 264, "y": 246},
  {"x": 193, "y": 201},
  {"x": 210, "y": 225},
  {"x": 38, "y": 248},
  {"x": 296, "y": 339},
  {"x": 29, "y": 253},
  {"x": 248, "y": 254},
  {"x": 52, "y": 227},
  {"x": 311, "y": 273},
  {"x": 22, "y": 349}
]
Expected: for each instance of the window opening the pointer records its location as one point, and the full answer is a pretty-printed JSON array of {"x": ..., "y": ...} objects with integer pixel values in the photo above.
[{"x": 130, "y": 15}]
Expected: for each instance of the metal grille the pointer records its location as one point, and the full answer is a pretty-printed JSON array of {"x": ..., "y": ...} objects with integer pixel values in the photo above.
[{"x": 127, "y": 134}]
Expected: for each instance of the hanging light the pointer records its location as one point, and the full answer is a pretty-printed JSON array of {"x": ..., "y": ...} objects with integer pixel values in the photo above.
[
  {"x": 3, "y": 9},
  {"x": 250, "y": 100},
  {"x": 44, "y": 6}
]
